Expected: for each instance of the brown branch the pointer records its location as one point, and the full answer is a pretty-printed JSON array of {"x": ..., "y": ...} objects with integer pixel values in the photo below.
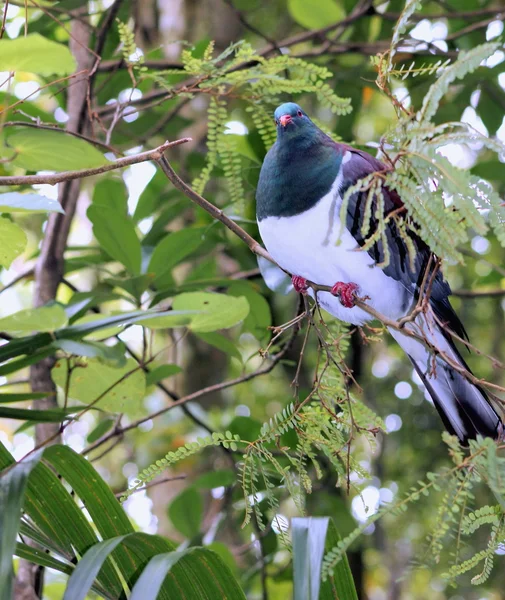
[
  {"x": 215, "y": 212},
  {"x": 479, "y": 293},
  {"x": 66, "y": 176},
  {"x": 4, "y": 19}
]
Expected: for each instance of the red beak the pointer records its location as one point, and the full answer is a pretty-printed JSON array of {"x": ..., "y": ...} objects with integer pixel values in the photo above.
[{"x": 285, "y": 119}]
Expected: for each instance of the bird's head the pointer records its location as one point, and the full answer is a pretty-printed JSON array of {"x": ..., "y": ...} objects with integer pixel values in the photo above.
[{"x": 292, "y": 121}]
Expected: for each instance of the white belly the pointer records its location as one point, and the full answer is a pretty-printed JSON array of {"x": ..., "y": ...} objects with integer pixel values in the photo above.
[{"x": 313, "y": 246}]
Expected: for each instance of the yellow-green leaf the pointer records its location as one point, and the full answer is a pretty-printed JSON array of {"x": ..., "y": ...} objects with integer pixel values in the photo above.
[
  {"x": 123, "y": 388},
  {"x": 12, "y": 242},
  {"x": 39, "y": 150},
  {"x": 218, "y": 311},
  {"x": 36, "y": 54},
  {"x": 45, "y": 318},
  {"x": 314, "y": 15}
]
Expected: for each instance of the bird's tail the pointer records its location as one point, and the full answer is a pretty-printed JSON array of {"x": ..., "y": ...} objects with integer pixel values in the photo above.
[{"x": 464, "y": 407}]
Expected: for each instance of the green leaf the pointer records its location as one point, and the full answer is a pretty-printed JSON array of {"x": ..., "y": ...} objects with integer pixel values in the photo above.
[
  {"x": 309, "y": 535},
  {"x": 172, "y": 318},
  {"x": 314, "y": 15},
  {"x": 341, "y": 579},
  {"x": 40, "y": 416},
  {"x": 172, "y": 249},
  {"x": 101, "y": 429},
  {"x": 19, "y": 397},
  {"x": 186, "y": 512},
  {"x": 55, "y": 514},
  {"x": 149, "y": 583},
  {"x": 36, "y": 54},
  {"x": 259, "y": 318},
  {"x": 492, "y": 170},
  {"x": 45, "y": 318},
  {"x": 162, "y": 372},
  {"x": 116, "y": 234},
  {"x": 219, "y": 341},
  {"x": 12, "y": 491},
  {"x": 218, "y": 311},
  {"x": 39, "y": 150},
  {"x": 93, "y": 378},
  {"x": 214, "y": 479},
  {"x": 113, "y": 355},
  {"x": 87, "y": 569},
  {"x": 35, "y": 203},
  {"x": 107, "y": 515},
  {"x": 12, "y": 242},
  {"x": 41, "y": 558}
]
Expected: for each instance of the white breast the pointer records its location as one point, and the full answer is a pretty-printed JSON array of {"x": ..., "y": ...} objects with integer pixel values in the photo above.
[{"x": 313, "y": 246}]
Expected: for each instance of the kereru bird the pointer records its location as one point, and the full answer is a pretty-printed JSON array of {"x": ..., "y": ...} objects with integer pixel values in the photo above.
[{"x": 302, "y": 182}]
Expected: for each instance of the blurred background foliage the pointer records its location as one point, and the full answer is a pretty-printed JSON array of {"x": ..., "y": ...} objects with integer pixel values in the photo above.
[{"x": 135, "y": 242}]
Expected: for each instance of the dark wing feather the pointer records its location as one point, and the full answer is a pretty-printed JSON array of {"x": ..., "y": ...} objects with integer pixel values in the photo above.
[{"x": 360, "y": 165}]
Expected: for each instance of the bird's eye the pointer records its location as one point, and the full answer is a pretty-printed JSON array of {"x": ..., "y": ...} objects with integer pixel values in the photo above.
[
  {"x": 276, "y": 122},
  {"x": 299, "y": 113}
]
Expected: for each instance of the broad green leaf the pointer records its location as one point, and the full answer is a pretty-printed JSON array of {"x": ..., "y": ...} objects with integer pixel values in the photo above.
[
  {"x": 246, "y": 427},
  {"x": 119, "y": 391},
  {"x": 314, "y": 15},
  {"x": 111, "y": 193},
  {"x": 36, "y": 54},
  {"x": 44, "y": 318},
  {"x": 39, "y": 150},
  {"x": 12, "y": 491},
  {"x": 214, "y": 479},
  {"x": 150, "y": 581},
  {"x": 218, "y": 310},
  {"x": 159, "y": 373},
  {"x": 12, "y": 242},
  {"x": 259, "y": 318},
  {"x": 219, "y": 341},
  {"x": 35, "y": 203},
  {"x": 87, "y": 568},
  {"x": 116, "y": 234},
  {"x": 172, "y": 249},
  {"x": 186, "y": 512},
  {"x": 492, "y": 170}
]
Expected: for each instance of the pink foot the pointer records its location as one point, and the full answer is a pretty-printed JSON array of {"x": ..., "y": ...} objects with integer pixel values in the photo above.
[
  {"x": 300, "y": 284},
  {"x": 346, "y": 292}
]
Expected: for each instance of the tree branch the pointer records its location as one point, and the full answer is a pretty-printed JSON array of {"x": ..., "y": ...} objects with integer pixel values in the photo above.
[{"x": 66, "y": 176}]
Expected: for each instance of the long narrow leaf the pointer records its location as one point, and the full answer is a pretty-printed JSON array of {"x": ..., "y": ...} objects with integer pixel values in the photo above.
[
  {"x": 149, "y": 583},
  {"x": 341, "y": 582},
  {"x": 87, "y": 569},
  {"x": 12, "y": 492},
  {"x": 309, "y": 536}
]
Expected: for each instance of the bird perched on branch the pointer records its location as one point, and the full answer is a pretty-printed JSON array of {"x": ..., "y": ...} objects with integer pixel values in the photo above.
[{"x": 300, "y": 192}]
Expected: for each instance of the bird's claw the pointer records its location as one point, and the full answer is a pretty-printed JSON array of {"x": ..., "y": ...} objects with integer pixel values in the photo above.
[
  {"x": 347, "y": 292},
  {"x": 300, "y": 284}
]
